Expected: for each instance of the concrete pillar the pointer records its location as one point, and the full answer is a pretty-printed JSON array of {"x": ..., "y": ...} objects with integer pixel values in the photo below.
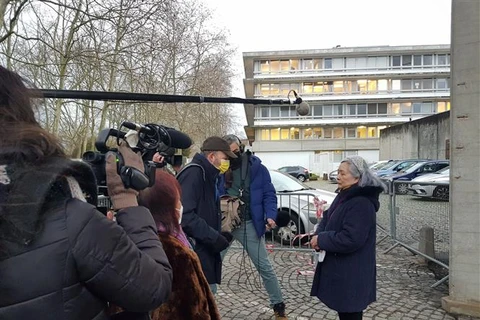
[
  {"x": 427, "y": 244},
  {"x": 464, "y": 280}
]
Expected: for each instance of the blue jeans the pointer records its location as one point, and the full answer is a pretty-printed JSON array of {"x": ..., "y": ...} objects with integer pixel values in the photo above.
[{"x": 257, "y": 252}]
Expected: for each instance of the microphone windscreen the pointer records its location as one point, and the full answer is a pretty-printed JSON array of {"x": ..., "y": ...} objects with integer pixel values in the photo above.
[
  {"x": 283, "y": 218},
  {"x": 179, "y": 140},
  {"x": 303, "y": 109}
]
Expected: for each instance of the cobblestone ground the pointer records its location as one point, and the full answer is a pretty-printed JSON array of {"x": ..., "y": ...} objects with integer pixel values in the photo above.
[{"x": 403, "y": 287}]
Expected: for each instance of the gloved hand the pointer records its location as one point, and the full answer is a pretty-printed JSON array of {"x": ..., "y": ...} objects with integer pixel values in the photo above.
[
  {"x": 228, "y": 236},
  {"x": 121, "y": 197},
  {"x": 221, "y": 244}
]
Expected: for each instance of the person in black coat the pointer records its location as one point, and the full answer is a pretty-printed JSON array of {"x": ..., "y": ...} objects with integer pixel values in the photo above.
[
  {"x": 60, "y": 258},
  {"x": 201, "y": 205},
  {"x": 346, "y": 278}
]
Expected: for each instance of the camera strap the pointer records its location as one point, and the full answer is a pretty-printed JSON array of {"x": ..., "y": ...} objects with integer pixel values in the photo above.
[{"x": 243, "y": 172}]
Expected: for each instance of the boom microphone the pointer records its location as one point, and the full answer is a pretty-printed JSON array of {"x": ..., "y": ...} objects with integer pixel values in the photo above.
[
  {"x": 303, "y": 108},
  {"x": 179, "y": 140}
]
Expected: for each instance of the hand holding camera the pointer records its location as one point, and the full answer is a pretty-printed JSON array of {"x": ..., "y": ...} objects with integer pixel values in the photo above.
[{"x": 122, "y": 195}]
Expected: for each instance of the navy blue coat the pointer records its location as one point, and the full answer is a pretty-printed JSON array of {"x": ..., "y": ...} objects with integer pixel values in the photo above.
[
  {"x": 346, "y": 280},
  {"x": 263, "y": 200},
  {"x": 202, "y": 218}
]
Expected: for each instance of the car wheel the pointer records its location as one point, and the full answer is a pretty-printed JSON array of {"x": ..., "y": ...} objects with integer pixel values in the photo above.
[
  {"x": 285, "y": 235},
  {"x": 441, "y": 192},
  {"x": 402, "y": 188},
  {"x": 301, "y": 178}
]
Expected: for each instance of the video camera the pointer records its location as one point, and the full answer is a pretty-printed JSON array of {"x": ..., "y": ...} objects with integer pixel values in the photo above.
[{"x": 144, "y": 138}]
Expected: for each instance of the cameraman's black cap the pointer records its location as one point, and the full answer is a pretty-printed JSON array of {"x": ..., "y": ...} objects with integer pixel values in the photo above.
[{"x": 217, "y": 144}]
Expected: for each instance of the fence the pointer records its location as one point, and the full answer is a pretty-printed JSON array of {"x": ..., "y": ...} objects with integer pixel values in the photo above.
[{"x": 420, "y": 224}]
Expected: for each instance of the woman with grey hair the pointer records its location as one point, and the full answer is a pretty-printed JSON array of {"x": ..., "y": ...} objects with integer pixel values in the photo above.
[{"x": 345, "y": 280}]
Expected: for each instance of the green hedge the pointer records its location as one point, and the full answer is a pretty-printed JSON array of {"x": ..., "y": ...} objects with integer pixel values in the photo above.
[{"x": 313, "y": 177}]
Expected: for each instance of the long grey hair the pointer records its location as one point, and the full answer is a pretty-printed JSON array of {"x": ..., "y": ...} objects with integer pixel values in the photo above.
[{"x": 359, "y": 169}]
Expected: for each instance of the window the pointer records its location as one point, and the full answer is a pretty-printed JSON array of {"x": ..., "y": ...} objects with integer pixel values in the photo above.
[
  {"x": 351, "y": 109},
  {"x": 361, "y": 132},
  {"x": 317, "y": 133},
  {"x": 307, "y": 133},
  {"x": 406, "y": 107},
  {"x": 274, "y": 112},
  {"x": 284, "y": 89},
  {"x": 328, "y": 63},
  {"x": 372, "y": 108},
  {"x": 406, "y": 60},
  {"x": 275, "y": 89},
  {"x": 338, "y": 109},
  {"x": 275, "y": 134},
  {"x": 396, "y": 85},
  {"x": 427, "y": 84},
  {"x": 307, "y": 87},
  {"x": 285, "y": 111},
  {"x": 274, "y": 66},
  {"x": 265, "y": 89},
  {"x": 427, "y": 60},
  {"x": 417, "y": 60},
  {"x": 441, "y": 84},
  {"x": 361, "y": 109},
  {"x": 362, "y": 85},
  {"x": 382, "y": 108},
  {"x": 372, "y": 86},
  {"x": 337, "y": 156},
  {"x": 396, "y": 61},
  {"x": 351, "y": 132},
  {"x": 383, "y": 85},
  {"x": 265, "y": 112},
  {"x": 441, "y": 106},
  {"x": 284, "y": 65},
  {"x": 338, "y": 86},
  {"x": 395, "y": 108},
  {"x": 328, "y": 110},
  {"x": 372, "y": 132},
  {"x": 318, "y": 87},
  {"x": 417, "y": 107},
  {"x": 427, "y": 107},
  {"x": 317, "y": 110},
  {"x": 338, "y": 133},
  {"x": 285, "y": 134},
  {"x": 294, "y": 64},
  {"x": 442, "y": 59},
  {"x": 327, "y": 133},
  {"x": 265, "y": 134},
  {"x": 264, "y": 66},
  {"x": 406, "y": 85}
]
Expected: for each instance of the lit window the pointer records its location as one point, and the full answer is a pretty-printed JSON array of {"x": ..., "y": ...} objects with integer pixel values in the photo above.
[
  {"x": 318, "y": 87},
  {"x": 265, "y": 134},
  {"x": 372, "y": 86},
  {"x": 362, "y": 85},
  {"x": 317, "y": 64},
  {"x": 372, "y": 132},
  {"x": 265, "y": 89},
  {"x": 395, "y": 108},
  {"x": 275, "y": 89},
  {"x": 396, "y": 86},
  {"x": 284, "y": 65},
  {"x": 307, "y": 87},
  {"x": 317, "y": 133},
  {"x": 361, "y": 132},
  {"x": 338, "y": 86},
  {"x": 294, "y": 64},
  {"x": 274, "y": 66},
  {"x": 275, "y": 134},
  {"x": 285, "y": 134},
  {"x": 264, "y": 66},
  {"x": 294, "y": 133},
  {"x": 338, "y": 133},
  {"x": 307, "y": 133}
]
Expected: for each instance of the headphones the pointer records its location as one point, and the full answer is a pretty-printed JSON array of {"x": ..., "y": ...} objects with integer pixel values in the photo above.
[{"x": 233, "y": 138}]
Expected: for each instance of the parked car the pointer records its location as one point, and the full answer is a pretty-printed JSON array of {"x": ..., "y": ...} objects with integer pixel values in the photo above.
[
  {"x": 332, "y": 176},
  {"x": 397, "y": 166},
  {"x": 412, "y": 172},
  {"x": 295, "y": 199},
  {"x": 298, "y": 172},
  {"x": 440, "y": 190},
  {"x": 381, "y": 164}
]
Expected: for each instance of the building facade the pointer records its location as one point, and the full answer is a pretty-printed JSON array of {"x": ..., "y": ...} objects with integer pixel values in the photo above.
[{"x": 353, "y": 94}]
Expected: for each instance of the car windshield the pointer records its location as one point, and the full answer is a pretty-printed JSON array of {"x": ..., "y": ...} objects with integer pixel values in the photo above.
[
  {"x": 412, "y": 167},
  {"x": 390, "y": 165},
  {"x": 285, "y": 183},
  {"x": 444, "y": 171}
]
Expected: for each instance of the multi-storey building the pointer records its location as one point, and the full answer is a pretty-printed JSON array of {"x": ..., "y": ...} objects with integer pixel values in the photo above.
[{"x": 353, "y": 94}]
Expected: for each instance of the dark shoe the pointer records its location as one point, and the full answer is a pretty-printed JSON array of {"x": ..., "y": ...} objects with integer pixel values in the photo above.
[{"x": 279, "y": 311}]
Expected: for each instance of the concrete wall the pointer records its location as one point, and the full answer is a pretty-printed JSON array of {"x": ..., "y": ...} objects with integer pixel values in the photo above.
[
  {"x": 425, "y": 138},
  {"x": 464, "y": 280}
]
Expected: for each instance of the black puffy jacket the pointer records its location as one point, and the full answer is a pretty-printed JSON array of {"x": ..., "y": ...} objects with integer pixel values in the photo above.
[{"x": 80, "y": 260}]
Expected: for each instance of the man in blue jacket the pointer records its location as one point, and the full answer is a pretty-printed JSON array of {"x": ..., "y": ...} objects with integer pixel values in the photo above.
[
  {"x": 251, "y": 182},
  {"x": 201, "y": 220}
]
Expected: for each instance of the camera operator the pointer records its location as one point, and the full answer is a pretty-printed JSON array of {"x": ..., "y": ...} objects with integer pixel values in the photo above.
[{"x": 60, "y": 258}]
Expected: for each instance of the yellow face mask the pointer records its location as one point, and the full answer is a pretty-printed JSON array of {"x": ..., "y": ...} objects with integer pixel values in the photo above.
[{"x": 224, "y": 165}]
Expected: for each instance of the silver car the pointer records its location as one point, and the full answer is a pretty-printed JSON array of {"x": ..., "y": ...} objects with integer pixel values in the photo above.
[
  {"x": 439, "y": 190},
  {"x": 296, "y": 201}
]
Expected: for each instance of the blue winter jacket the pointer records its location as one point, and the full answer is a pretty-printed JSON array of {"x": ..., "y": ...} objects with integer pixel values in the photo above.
[{"x": 263, "y": 200}]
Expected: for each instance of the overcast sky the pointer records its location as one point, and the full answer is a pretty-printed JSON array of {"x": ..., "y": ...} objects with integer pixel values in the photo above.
[{"x": 259, "y": 25}]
